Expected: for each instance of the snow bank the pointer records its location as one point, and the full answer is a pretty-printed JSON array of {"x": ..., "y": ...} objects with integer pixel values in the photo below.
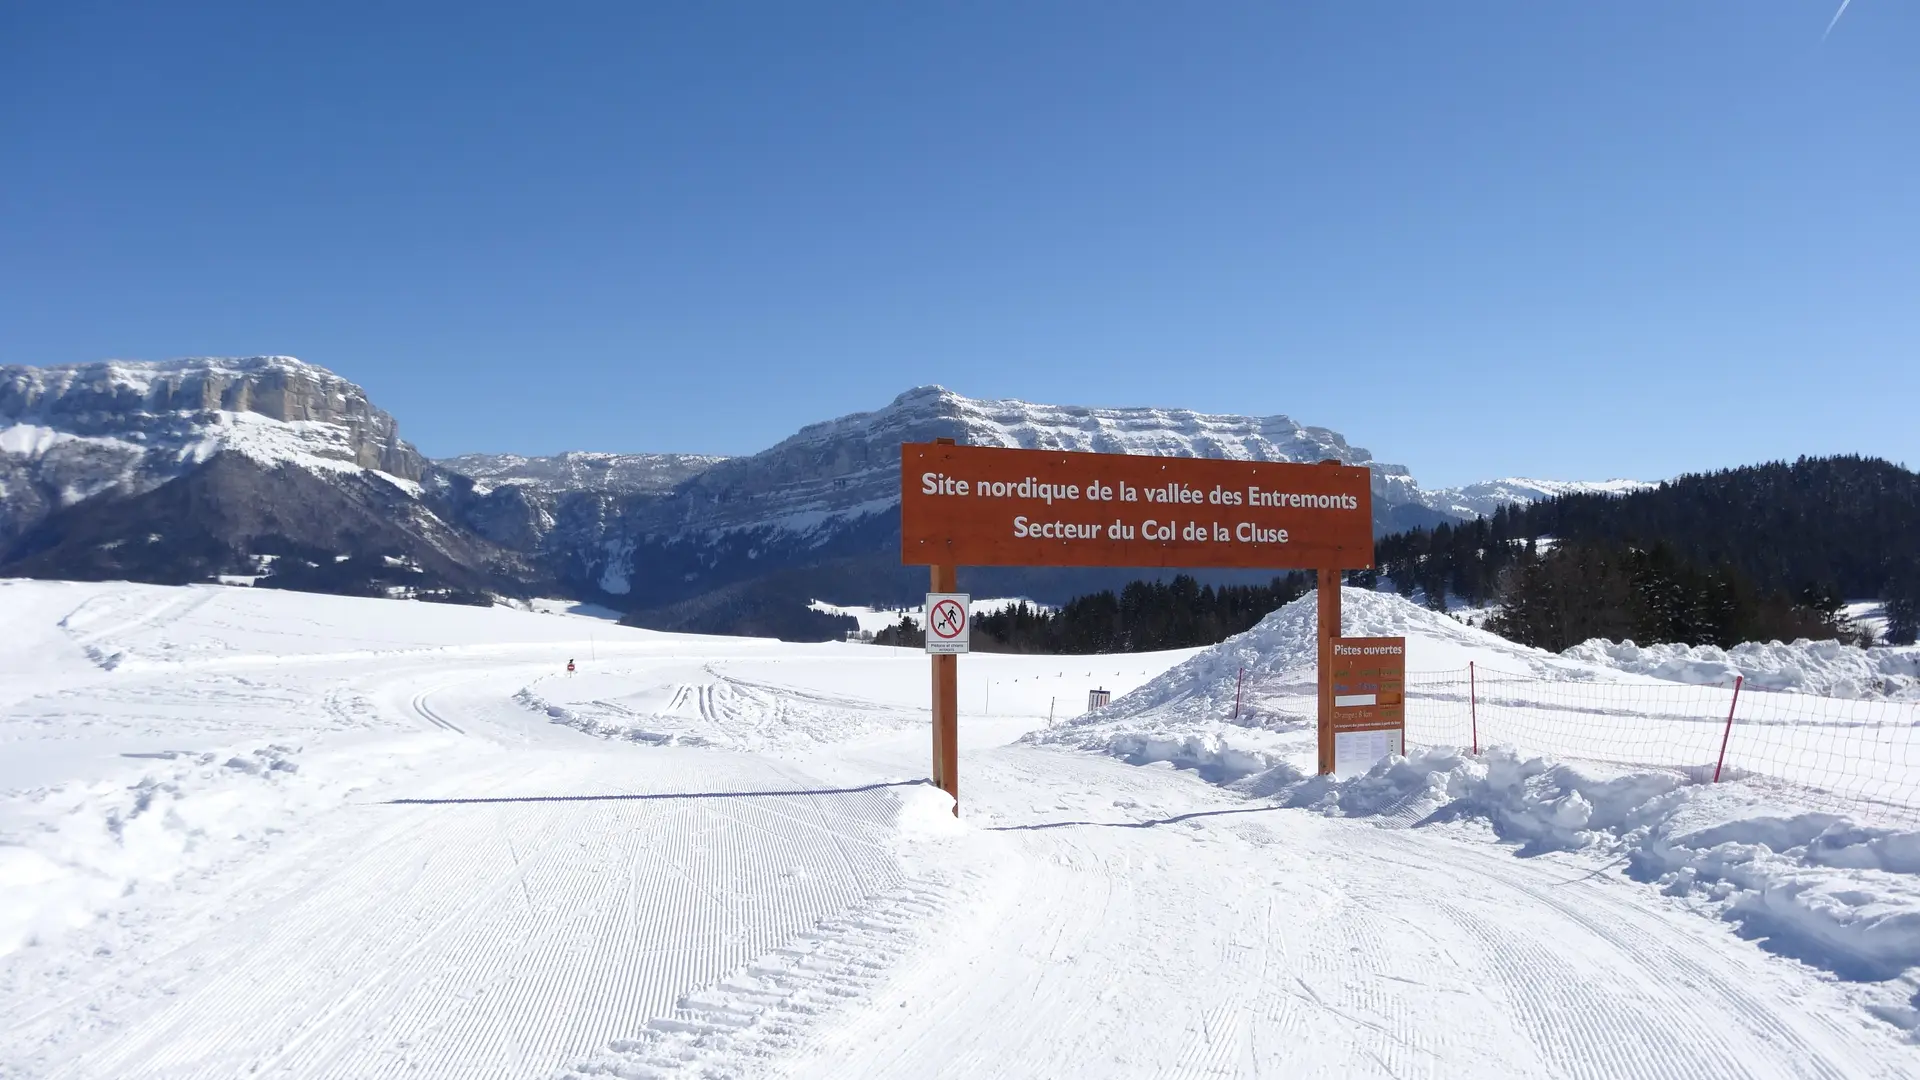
[
  {"x": 1826, "y": 668},
  {"x": 1812, "y": 886}
]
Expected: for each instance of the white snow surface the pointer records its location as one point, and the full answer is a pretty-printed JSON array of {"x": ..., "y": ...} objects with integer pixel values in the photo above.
[
  {"x": 250, "y": 832},
  {"x": 1826, "y": 668},
  {"x": 1807, "y": 885}
]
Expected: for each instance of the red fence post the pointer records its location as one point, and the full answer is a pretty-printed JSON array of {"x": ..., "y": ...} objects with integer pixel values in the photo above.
[
  {"x": 1737, "y": 680},
  {"x": 1473, "y": 706},
  {"x": 1237, "y": 683}
]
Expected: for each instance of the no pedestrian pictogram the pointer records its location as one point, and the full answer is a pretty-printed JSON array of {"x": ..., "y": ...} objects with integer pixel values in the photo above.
[{"x": 948, "y": 631}]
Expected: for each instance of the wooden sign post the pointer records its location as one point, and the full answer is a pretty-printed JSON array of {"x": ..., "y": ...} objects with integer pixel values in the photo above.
[
  {"x": 1328, "y": 601},
  {"x": 946, "y": 697},
  {"x": 992, "y": 506}
]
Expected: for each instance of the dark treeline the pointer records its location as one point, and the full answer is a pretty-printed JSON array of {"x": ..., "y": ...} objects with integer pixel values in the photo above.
[
  {"x": 1578, "y": 591},
  {"x": 1142, "y": 617},
  {"x": 1755, "y": 553}
]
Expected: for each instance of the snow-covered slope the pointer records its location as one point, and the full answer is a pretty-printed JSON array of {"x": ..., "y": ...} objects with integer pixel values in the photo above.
[{"x": 1482, "y": 499}]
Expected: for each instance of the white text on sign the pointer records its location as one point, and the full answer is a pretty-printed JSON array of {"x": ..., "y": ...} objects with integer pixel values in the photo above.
[{"x": 1137, "y": 528}]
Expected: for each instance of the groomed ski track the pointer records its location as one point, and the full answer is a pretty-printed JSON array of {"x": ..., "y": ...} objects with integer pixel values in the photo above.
[{"x": 547, "y": 903}]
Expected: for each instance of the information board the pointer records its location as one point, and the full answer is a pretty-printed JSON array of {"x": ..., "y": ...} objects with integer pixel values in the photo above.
[
  {"x": 1369, "y": 701},
  {"x": 992, "y": 506}
]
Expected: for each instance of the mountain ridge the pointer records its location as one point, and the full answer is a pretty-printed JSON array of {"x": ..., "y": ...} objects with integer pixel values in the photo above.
[{"x": 640, "y": 531}]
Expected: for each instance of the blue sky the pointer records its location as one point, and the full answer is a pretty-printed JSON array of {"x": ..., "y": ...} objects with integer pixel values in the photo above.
[{"x": 1561, "y": 240}]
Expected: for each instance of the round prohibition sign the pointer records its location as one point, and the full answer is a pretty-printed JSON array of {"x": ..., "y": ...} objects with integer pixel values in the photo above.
[{"x": 947, "y": 620}]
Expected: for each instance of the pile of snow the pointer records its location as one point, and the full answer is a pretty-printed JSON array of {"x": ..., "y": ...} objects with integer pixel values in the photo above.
[
  {"x": 1826, "y": 668},
  {"x": 1248, "y": 703},
  {"x": 1812, "y": 886},
  {"x": 1283, "y": 649}
]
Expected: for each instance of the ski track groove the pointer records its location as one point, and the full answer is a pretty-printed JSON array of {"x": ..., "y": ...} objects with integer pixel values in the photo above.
[
  {"x": 593, "y": 930},
  {"x": 1759, "y": 1021},
  {"x": 425, "y": 710}
]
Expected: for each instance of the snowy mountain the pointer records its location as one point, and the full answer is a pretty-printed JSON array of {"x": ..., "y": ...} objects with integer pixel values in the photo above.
[
  {"x": 180, "y": 470},
  {"x": 828, "y": 494},
  {"x": 70, "y": 432},
  {"x": 1482, "y": 499}
]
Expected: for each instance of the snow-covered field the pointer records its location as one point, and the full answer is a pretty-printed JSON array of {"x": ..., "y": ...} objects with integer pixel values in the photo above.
[{"x": 261, "y": 833}]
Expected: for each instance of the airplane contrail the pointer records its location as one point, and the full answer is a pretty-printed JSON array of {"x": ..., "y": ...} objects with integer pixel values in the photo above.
[{"x": 1836, "y": 18}]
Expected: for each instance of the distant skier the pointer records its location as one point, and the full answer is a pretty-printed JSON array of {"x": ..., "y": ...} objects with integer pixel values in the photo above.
[{"x": 569, "y": 669}]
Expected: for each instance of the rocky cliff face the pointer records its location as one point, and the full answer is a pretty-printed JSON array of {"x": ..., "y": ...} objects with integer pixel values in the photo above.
[
  {"x": 180, "y": 470},
  {"x": 518, "y": 501},
  {"x": 174, "y": 401},
  {"x": 580, "y": 470}
]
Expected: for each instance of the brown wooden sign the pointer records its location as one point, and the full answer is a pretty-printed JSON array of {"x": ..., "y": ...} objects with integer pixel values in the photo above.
[{"x": 990, "y": 506}]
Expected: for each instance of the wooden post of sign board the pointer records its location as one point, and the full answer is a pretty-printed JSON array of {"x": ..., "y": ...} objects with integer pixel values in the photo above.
[
  {"x": 946, "y": 692},
  {"x": 1329, "y": 604},
  {"x": 946, "y": 704}
]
